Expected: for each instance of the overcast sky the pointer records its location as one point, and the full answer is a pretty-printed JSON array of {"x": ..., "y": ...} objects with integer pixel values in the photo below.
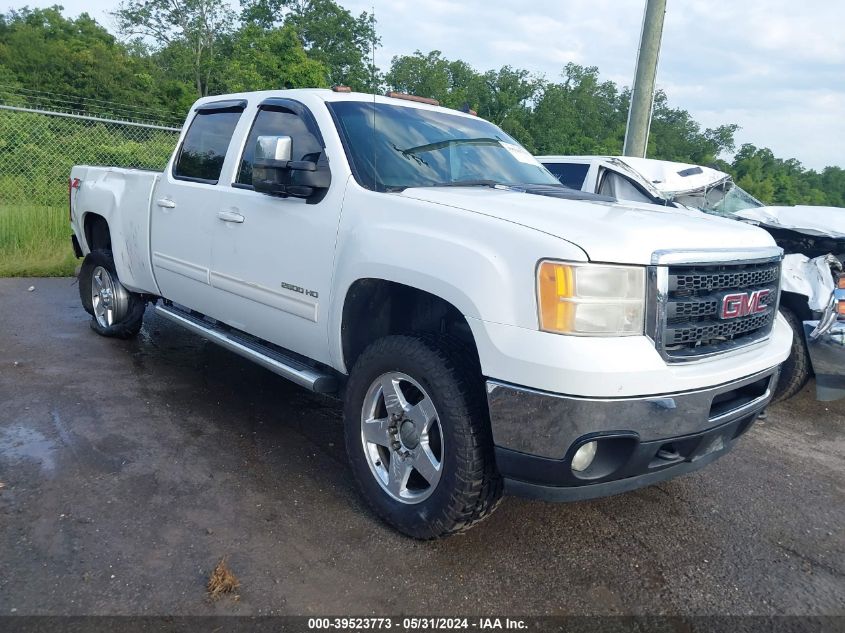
[{"x": 775, "y": 67}]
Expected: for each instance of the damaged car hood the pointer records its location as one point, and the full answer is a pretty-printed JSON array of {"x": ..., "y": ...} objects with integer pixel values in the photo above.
[{"x": 810, "y": 220}]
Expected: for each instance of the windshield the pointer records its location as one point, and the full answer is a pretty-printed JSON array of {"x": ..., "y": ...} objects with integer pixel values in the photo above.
[
  {"x": 395, "y": 147},
  {"x": 723, "y": 199}
]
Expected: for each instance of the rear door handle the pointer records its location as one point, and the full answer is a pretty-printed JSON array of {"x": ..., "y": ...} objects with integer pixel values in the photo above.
[
  {"x": 230, "y": 216},
  {"x": 166, "y": 203}
]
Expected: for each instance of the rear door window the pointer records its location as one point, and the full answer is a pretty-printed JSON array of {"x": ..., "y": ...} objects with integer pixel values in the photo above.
[
  {"x": 570, "y": 174},
  {"x": 206, "y": 142}
]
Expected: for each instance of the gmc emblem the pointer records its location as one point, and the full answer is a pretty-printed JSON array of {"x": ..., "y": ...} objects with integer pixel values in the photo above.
[{"x": 740, "y": 304}]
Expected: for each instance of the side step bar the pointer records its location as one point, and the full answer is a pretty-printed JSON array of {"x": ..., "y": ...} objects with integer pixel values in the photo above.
[{"x": 273, "y": 359}]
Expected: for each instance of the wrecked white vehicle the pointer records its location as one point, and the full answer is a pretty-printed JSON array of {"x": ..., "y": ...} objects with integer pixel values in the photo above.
[{"x": 813, "y": 238}]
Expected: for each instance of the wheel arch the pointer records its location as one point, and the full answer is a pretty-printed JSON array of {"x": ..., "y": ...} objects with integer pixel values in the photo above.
[
  {"x": 96, "y": 231},
  {"x": 375, "y": 307},
  {"x": 796, "y": 303}
]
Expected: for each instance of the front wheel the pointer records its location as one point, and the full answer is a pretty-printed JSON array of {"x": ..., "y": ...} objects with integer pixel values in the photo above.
[
  {"x": 418, "y": 436},
  {"x": 114, "y": 311}
]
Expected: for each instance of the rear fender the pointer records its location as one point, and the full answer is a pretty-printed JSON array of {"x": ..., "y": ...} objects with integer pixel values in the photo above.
[{"x": 122, "y": 197}]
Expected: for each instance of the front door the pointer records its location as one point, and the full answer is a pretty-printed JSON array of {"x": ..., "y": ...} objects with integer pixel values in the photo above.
[{"x": 272, "y": 257}]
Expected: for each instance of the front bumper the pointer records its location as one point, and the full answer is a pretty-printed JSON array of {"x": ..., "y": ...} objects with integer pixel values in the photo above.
[
  {"x": 827, "y": 355},
  {"x": 640, "y": 440}
]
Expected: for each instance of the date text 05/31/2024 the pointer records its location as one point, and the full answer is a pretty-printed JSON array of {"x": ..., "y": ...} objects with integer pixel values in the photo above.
[{"x": 415, "y": 623}]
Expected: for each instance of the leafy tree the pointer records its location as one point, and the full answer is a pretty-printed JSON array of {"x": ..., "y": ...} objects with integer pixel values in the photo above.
[
  {"x": 264, "y": 59},
  {"x": 579, "y": 115},
  {"x": 73, "y": 59},
  {"x": 194, "y": 26},
  {"x": 502, "y": 96},
  {"x": 10, "y": 88},
  {"x": 453, "y": 84},
  {"x": 675, "y": 135},
  {"x": 329, "y": 33},
  {"x": 777, "y": 181}
]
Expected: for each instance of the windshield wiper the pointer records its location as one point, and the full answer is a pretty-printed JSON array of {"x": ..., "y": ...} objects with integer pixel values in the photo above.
[
  {"x": 493, "y": 184},
  {"x": 468, "y": 183}
]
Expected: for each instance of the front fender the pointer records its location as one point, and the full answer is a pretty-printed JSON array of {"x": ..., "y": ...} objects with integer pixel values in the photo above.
[{"x": 483, "y": 266}]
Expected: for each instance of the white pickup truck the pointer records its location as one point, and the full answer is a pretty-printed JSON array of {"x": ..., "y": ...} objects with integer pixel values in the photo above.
[
  {"x": 813, "y": 238},
  {"x": 487, "y": 328}
]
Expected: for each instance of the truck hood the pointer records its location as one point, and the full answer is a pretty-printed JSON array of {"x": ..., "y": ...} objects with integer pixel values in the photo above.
[
  {"x": 606, "y": 231},
  {"x": 810, "y": 220}
]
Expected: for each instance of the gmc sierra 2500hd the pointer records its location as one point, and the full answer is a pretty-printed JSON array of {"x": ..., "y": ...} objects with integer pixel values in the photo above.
[{"x": 487, "y": 328}]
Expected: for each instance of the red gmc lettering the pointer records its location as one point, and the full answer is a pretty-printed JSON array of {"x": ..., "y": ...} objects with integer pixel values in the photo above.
[{"x": 743, "y": 304}]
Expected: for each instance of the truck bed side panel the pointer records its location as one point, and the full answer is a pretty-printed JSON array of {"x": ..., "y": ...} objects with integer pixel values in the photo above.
[{"x": 123, "y": 197}]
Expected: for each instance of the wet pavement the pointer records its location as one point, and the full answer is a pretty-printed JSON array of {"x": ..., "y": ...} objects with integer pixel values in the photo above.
[{"x": 128, "y": 468}]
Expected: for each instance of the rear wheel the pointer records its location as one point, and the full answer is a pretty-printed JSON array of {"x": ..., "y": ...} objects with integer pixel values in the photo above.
[
  {"x": 795, "y": 371},
  {"x": 114, "y": 311},
  {"x": 418, "y": 437}
]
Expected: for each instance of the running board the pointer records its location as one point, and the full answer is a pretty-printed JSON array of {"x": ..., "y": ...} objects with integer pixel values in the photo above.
[{"x": 273, "y": 359}]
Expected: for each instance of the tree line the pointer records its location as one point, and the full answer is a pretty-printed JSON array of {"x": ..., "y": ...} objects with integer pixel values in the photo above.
[{"x": 171, "y": 51}]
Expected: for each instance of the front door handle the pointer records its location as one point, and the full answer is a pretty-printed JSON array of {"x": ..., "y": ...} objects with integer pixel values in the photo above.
[
  {"x": 230, "y": 216},
  {"x": 166, "y": 203}
]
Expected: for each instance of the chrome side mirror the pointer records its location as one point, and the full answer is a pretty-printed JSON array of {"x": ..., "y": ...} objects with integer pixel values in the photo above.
[
  {"x": 274, "y": 173},
  {"x": 273, "y": 148}
]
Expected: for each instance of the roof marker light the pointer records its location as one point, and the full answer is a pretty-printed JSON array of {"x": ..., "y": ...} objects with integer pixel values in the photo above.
[{"x": 407, "y": 97}]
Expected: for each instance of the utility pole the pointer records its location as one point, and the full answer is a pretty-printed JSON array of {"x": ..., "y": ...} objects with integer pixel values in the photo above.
[{"x": 642, "y": 95}]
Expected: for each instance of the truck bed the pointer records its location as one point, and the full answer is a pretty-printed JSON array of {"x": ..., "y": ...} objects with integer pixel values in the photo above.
[{"x": 124, "y": 198}]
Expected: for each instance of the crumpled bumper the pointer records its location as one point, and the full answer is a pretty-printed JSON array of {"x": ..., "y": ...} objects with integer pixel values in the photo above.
[
  {"x": 826, "y": 344},
  {"x": 827, "y": 354}
]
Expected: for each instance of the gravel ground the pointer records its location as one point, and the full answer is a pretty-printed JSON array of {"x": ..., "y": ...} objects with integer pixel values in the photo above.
[{"x": 129, "y": 468}]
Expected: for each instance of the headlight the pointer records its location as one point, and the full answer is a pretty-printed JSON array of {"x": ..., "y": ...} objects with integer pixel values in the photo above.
[{"x": 591, "y": 299}]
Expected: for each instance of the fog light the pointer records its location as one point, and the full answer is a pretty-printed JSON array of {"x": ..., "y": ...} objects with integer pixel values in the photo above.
[{"x": 584, "y": 456}]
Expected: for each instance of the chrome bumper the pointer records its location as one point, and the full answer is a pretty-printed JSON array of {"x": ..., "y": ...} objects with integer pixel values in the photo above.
[
  {"x": 547, "y": 424},
  {"x": 647, "y": 439},
  {"x": 827, "y": 355}
]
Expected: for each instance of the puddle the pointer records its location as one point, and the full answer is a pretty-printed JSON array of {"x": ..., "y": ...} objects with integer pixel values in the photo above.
[{"x": 19, "y": 443}]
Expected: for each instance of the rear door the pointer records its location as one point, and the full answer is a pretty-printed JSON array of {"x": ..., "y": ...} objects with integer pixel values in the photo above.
[{"x": 184, "y": 206}]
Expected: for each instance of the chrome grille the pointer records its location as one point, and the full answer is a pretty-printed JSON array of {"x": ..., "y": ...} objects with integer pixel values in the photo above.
[
  {"x": 693, "y": 282},
  {"x": 690, "y": 298}
]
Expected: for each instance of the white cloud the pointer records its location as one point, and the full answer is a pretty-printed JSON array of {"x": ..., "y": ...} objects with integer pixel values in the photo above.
[{"x": 775, "y": 67}]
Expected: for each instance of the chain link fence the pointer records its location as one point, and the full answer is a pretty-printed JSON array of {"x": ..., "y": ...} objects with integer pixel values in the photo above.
[{"x": 38, "y": 147}]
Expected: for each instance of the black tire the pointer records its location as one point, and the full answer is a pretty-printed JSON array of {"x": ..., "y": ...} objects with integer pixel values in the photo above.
[
  {"x": 469, "y": 488},
  {"x": 796, "y": 370},
  {"x": 130, "y": 323}
]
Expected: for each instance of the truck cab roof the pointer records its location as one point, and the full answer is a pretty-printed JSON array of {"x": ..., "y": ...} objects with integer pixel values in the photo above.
[{"x": 327, "y": 95}]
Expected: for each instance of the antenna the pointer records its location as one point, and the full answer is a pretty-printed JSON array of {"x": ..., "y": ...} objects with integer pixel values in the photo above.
[{"x": 373, "y": 88}]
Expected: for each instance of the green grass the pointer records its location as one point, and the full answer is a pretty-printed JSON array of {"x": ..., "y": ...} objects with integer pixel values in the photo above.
[{"x": 35, "y": 241}]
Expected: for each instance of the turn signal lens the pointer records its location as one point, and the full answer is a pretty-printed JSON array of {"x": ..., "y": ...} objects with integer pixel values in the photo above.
[
  {"x": 840, "y": 281},
  {"x": 591, "y": 299}
]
